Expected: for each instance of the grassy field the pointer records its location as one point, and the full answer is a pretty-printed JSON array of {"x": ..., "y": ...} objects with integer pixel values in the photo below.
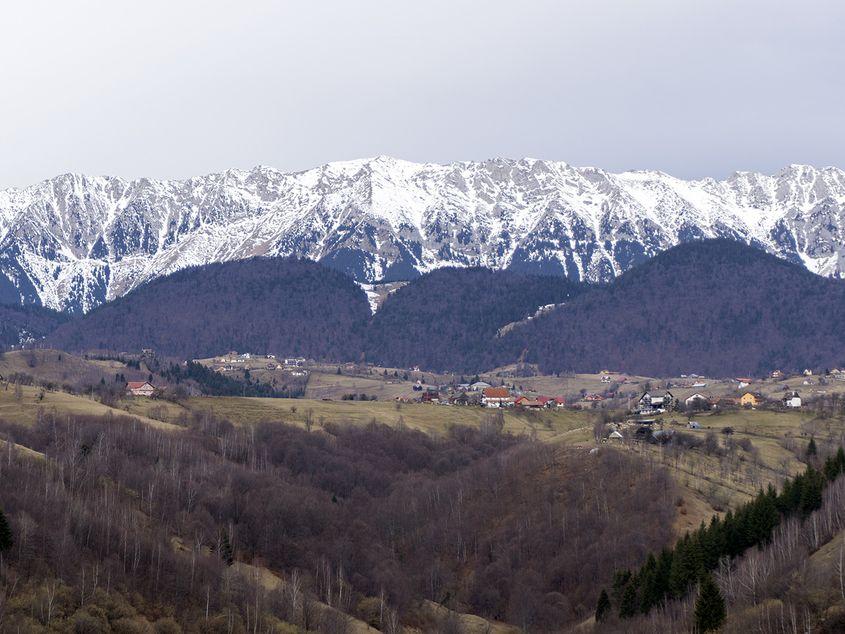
[
  {"x": 25, "y": 410},
  {"x": 547, "y": 425}
]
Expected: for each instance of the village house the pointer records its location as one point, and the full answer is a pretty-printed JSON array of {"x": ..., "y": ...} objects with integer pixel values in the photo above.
[
  {"x": 479, "y": 386},
  {"x": 653, "y": 403},
  {"x": 776, "y": 374},
  {"x": 551, "y": 401},
  {"x": 497, "y": 397},
  {"x": 697, "y": 401},
  {"x": 530, "y": 403},
  {"x": 792, "y": 400},
  {"x": 140, "y": 388},
  {"x": 750, "y": 399}
]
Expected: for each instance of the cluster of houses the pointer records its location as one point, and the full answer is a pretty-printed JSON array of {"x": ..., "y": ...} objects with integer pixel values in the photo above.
[
  {"x": 658, "y": 402},
  {"x": 295, "y": 366},
  {"x": 483, "y": 394}
]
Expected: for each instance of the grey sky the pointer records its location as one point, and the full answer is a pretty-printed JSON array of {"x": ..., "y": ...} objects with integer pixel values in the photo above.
[{"x": 173, "y": 89}]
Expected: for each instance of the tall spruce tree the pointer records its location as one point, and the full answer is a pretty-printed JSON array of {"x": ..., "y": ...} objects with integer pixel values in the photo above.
[
  {"x": 710, "y": 609},
  {"x": 629, "y": 605},
  {"x": 602, "y": 606}
]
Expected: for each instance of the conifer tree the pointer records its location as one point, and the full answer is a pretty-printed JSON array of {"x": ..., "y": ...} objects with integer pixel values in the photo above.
[
  {"x": 710, "y": 610},
  {"x": 602, "y": 606},
  {"x": 6, "y": 538},
  {"x": 629, "y": 605},
  {"x": 811, "y": 447}
]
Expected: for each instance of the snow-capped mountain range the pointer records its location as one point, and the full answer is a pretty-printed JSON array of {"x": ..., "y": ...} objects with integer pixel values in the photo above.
[{"x": 74, "y": 241}]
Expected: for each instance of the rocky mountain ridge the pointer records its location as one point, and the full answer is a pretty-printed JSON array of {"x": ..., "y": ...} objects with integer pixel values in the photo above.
[{"x": 74, "y": 242}]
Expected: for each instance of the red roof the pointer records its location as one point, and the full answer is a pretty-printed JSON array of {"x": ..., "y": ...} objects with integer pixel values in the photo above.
[
  {"x": 135, "y": 385},
  {"x": 496, "y": 392}
]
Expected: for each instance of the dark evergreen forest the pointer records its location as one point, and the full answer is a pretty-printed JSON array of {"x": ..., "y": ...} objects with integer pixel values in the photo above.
[{"x": 715, "y": 308}]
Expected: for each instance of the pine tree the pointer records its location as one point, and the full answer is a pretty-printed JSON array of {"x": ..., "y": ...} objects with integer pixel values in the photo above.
[
  {"x": 629, "y": 605},
  {"x": 811, "y": 493},
  {"x": 6, "y": 538},
  {"x": 710, "y": 610},
  {"x": 603, "y": 606},
  {"x": 811, "y": 447}
]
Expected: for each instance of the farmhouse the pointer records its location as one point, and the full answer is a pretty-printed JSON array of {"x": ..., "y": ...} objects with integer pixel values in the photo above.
[
  {"x": 652, "y": 402},
  {"x": 531, "y": 403},
  {"x": 496, "y": 397},
  {"x": 792, "y": 400},
  {"x": 697, "y": 401},
  {"x": 140, "y": 388},
  {"x": 750, "y": 399}
]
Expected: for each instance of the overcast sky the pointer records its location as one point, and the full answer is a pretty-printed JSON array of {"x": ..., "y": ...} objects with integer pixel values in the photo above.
[{"x": 172, "y": 89}]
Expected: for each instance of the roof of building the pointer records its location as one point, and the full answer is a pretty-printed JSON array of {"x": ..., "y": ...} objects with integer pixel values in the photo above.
[
  {"x": 135, "y": 385},
  {"x": 496, "y": 392}
]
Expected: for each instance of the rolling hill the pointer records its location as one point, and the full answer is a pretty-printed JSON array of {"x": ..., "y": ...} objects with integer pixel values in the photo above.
[
  {"x": 261, "y": 305},
  {"x": 447, "y": 319},
  {"x": 24, "y": 324},
  {"x": 715, "y": 307}
]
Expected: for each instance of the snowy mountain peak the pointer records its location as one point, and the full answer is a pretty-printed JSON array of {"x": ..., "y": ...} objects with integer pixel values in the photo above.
[{"x": 74, "y": 241}]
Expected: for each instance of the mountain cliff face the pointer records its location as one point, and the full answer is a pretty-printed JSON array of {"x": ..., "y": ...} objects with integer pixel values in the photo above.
[{"x": 74, "y": 242}]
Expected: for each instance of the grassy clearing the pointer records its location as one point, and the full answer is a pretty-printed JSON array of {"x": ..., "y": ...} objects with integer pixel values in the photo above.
[{"x": 32, "y": 399}]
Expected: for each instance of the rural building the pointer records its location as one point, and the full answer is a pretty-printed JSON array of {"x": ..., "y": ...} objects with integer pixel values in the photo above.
[
  {"x": 792, "y": 400},
  {"x": 531, "y": 403},
  {"x": 652, "y": 402},
  {"x": 615, "y": 436},
  {"x": 140, "y": 388},
  {"x": 479, "y": 385},
  {"x": 750, "y": 399},
  {"x": 497, "y": 397},
  {"x": 697, "y": 401}
]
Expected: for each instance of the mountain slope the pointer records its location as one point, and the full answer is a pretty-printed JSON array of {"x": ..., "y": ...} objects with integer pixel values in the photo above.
[
  {"x": 21, "y": 325},
  {"x": 261, "y": 305},
  {"x": 713, "y": 307},
  {"x": 74, "y": 242},
  {"x": 447, "y": 319}
]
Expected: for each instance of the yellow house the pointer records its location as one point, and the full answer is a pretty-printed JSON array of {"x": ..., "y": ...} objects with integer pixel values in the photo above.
[{"x": 749, "y": 399}]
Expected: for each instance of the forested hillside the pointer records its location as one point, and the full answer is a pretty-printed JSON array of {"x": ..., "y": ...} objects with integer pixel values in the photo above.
[
  {"x": 448, "y": 319},
  {"x": 20, "y": 324},
  {"x": 715, "y": 307},
  {"x": 285, "y": 306},
  {"x": 370, "y": 520}
]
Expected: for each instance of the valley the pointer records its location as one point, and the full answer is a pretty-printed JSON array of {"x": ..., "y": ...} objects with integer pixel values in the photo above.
[{"x": 276, "y": 452}]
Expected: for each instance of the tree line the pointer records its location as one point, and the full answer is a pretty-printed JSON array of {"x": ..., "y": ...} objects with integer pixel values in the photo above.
[{"x": 674, "y": 571}]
